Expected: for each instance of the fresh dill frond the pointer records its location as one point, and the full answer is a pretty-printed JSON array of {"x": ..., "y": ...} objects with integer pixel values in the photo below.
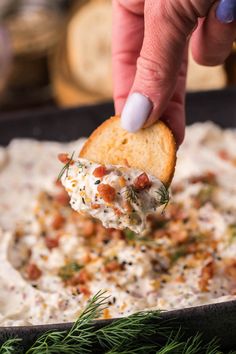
[
  {"x": 65, "y": 168},
  {"x": 131, "y": 194},
  {"x": 10, "y": 346},
  {"x": 67, "y": 271},
  {"x": 164, "y": 196},
  {"x": 118, "y": 334},
  {"x": 80, "y": 338}
]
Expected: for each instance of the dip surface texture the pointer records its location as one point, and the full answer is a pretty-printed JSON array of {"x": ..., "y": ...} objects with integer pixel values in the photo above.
[
  {"x": 121, "y": 197},
  {"x": 53, "y": 259}
]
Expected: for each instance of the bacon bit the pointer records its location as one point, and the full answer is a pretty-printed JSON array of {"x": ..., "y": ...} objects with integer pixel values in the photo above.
[
  {"x": 100, "y": 171},
  {"x": 62, "y": 198},
  {"x": 127, "y": 206},
  {"x": 206, "y": 274},
  {"x": 84, "y": 290},
  {"x": 176, "y": 212},
  {"x": 122, "y": 181},
  {"x": 180, "y": 279},
  {"x": 51, "y": 242},
  {"x": 106, "y": 314},
  {"x": 63, "y": 157},
  {"x": 177, "y": 188},
  {"x": 58, "y": 183},
  {"x": 95, "y": 206},
  {"x": 87, "y": 258},
  {"x": 208, "y": 177},
  {"x": 81, "y": 278},
  {"x": 223, "y": 154},
  {"x": 115, "y": 234},
  {"x": 179, "y": 236},
  {"x": 88, "y": 228},
  {"x": 117, "y": 211},
  {"x": 142, "y": 182},
  {"x": 112, "y": 266},
  {"x": 107, "y": 192},
  {"x": 230, "y": 268},
  {"x": 33, "y": 272},
  {"x": 233, "y": 291},
  {"x": 58, "y": 221}
]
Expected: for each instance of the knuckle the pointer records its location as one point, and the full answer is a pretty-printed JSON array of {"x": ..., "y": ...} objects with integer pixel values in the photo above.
[{"x": 153, "y": 73}]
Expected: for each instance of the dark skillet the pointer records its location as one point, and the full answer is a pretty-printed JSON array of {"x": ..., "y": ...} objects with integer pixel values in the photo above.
[{"x": 64, "y": 125}]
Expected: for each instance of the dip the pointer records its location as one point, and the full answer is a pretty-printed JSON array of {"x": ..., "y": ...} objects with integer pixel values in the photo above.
[{"x": 121, "y": 197}]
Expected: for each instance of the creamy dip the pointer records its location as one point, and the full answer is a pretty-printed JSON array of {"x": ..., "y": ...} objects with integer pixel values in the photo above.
[
  {"x": 121, "y": 197},
  {"x": 53, "y": 259}
]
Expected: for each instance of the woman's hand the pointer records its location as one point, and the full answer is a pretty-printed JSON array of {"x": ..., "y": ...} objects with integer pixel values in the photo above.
[{"x": 150, "y": 45}]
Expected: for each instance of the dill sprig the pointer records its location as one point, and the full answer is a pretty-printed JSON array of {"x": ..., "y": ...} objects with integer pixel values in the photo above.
[
  {"x": 164, "y": 195},
  {"x": 131, "y": 194},
  {"x": 79, "y": 339},
  {"x": 65, "y": 168},
  {"x": 10, "y": 346}
]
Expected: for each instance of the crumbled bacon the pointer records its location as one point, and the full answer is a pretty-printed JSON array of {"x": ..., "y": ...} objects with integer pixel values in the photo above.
[
  {"x": 63, "y": 157},
  {"x": 100, "y": 171},
  {"x": 208, "y": 177},
  {"x": 223, "y": 154},
  {"x": 230, "y": 268},
  {"x": 117, "y": 211},
  {"x": 142, "y": 182},
  {"x": 127, "y": 206},
  {"x": 107, "y": 192},
  {"x": 84, "y": 290},
  {"x": 51, "y": 242},
  {"x": 33, "y": 272},
  {"x": 58, "y": 221},
  {"x": 62, "y": 198},
  {"x": 206, "y": 274},
  {"x": 112, "y": 266},
  {"x": 80, "y": 278},
  {"x": 88, "y": 228},
  {"x": 95, "y": 206}
]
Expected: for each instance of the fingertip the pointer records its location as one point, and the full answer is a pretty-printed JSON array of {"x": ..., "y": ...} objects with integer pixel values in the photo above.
[{"x": 136, "y": 111}]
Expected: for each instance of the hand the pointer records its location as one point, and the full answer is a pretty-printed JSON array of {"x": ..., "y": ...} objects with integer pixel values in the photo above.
[{"x": 150, "y": 45}]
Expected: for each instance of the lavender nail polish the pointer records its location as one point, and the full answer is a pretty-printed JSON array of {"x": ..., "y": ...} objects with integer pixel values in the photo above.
[
  {"x": 135, "y": 112},
  {"x": 226, "y": 11}
]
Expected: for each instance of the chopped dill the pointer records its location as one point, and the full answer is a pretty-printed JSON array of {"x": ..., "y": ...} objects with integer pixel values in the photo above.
[
  {"x": 164, "y": 195},
  {"x": 66, "y": 167},
  {"x": 131, "y": 194}
]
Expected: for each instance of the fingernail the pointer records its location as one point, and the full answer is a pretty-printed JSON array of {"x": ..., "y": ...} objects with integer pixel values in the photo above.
[
  {"x": 135, "y": 112},
  {"x": 226, "y": 11}
]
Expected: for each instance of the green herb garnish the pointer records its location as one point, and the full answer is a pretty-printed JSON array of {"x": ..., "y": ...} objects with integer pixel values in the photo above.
[
  {"x": 67, "y": 272},
  {"x": 205, "y": 194},
  {"x": 65, "y": 168},
  {"x": 131, "y": 194},
  {"x": 232, "y": 232},
  {"x": 164, "y": 195},
  {"x": 10, "y": 346},
  {"x": 130, "y": 235}
]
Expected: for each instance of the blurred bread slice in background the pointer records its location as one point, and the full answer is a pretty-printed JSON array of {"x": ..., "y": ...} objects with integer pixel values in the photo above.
[
  {"x": 202, "y": 78},
  {"x": 81, "y": 68}
]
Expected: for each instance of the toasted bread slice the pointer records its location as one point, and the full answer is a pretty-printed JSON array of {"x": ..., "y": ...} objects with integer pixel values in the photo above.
[{"x": 152, "y": 149}]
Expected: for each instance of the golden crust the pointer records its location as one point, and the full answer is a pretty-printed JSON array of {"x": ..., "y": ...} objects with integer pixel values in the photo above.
[{"x": 152, "y": 149}]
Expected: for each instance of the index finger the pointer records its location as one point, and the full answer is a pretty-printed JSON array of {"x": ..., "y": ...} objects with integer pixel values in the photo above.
[{"x": 128, "y": 32}]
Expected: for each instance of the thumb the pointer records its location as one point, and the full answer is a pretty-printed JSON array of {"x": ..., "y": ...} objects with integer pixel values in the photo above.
[{"x": 168, "y": 25}]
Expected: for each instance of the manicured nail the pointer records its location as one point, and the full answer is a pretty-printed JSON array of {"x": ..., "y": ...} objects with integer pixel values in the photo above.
[
  {"x": 135, "y": 113},
  {"x": 226, "y": 11}
]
